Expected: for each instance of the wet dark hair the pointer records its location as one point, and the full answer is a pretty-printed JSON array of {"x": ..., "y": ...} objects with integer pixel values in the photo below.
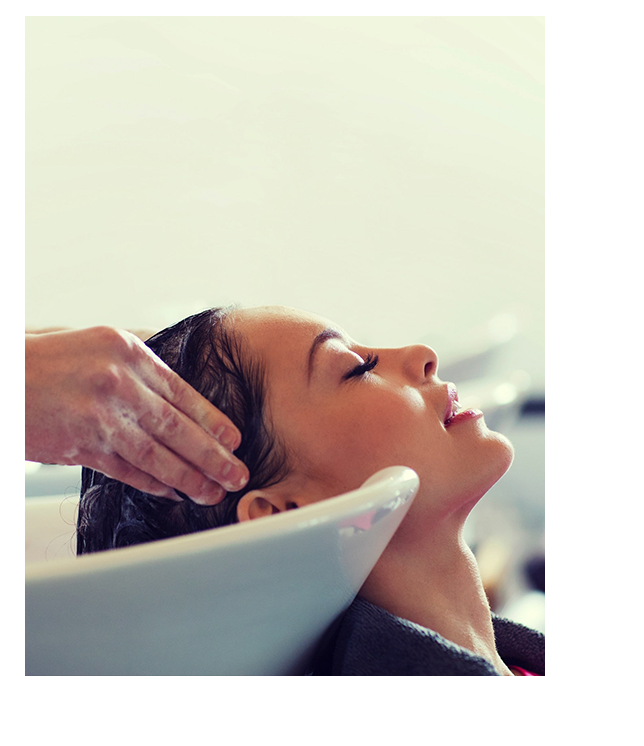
[{"x": 209, "y": 355}]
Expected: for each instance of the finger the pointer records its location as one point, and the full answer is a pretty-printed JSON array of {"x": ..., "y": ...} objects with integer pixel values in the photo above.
[
  {"x": 149, "y": 456},
  {"x": 169, "y": 426},
  {"x": 181, "y": 435},
  {"x": 165, "y": 382},
  {"x": 118, "y": 468},
  {"x": 187, "y": 440}
]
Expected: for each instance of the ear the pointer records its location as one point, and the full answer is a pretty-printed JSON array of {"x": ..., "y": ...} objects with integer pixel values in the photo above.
[
  {"x": 261, "y": 503},
  {"x": 295, "y": 491}
]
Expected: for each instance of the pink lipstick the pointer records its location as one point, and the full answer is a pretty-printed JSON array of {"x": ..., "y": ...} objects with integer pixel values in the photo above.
[
  {"x": 453, "y": 413},
  {"x": 467, "y": 414}
]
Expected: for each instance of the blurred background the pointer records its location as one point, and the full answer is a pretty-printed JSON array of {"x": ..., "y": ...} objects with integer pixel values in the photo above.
[{"x": 384, "y": 172}]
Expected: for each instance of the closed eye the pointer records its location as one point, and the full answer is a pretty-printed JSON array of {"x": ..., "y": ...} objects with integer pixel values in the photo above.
[{"x": 369, "y": 364}]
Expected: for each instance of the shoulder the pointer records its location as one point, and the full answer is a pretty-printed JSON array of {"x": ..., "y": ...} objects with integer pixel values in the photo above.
[
  {"x": 519, "y": 645},
  {"x": 369, "y": 641}
]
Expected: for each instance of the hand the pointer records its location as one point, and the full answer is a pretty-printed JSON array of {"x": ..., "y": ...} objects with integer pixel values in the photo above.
[{"x": 100, "y": 398}]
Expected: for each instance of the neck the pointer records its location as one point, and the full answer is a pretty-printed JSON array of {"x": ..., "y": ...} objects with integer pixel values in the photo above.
[{"x": 437, "y": 584}]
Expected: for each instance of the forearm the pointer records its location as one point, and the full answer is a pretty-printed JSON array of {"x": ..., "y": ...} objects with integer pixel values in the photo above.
[
  {"x": 47, "y": 330},
  {"x": 142, "y": 334}
]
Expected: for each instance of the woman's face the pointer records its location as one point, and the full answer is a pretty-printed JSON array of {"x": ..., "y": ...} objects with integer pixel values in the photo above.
[{"x": 341, "y": 423}]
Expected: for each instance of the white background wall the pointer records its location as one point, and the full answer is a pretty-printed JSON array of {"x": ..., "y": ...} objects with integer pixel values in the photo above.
[{"x": 385, "y": 172}]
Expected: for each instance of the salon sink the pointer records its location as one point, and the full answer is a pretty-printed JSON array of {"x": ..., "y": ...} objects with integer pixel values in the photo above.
[
  {"x": 51, "y": 479},
  {"x": 250, "y": 599}
]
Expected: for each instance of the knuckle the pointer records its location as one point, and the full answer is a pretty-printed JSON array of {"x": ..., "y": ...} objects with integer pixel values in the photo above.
[
  {"x": 146, "y": 455},
  {"x": 191, "y": 481},
  {"x": 178, "y": 388},
  {"x": 118, "y": 342},
  {"x": 108, "y": 336},
  {"x": 165, "y": 425},
  {"x": 169, "y": 424},
  {"x": 106, "y": 380}
]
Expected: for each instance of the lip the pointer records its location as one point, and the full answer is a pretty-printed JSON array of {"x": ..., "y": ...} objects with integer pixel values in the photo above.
[
  {"x": 451, "y": 416},
  {"x": 452, "y": 400},
  {"x": 464, "y": 416}
]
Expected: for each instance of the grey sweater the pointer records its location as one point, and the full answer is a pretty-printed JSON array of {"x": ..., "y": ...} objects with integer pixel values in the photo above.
[{"x": 369, "y": 641}]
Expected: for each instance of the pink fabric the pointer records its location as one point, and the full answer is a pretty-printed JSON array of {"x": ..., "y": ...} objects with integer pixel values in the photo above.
[{"x": 523, "y": 672}]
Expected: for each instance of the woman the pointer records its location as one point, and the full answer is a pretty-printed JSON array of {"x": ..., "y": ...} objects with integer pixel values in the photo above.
[{"x": 319, "y": 414}]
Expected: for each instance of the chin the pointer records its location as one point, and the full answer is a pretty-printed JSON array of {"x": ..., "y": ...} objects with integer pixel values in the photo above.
[
  {"x": 494, "y": 456},
  {"x": 500, "y": 458}
]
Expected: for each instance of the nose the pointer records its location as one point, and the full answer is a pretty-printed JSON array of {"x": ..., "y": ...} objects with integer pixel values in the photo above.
[{"x": 420, "y": 363}]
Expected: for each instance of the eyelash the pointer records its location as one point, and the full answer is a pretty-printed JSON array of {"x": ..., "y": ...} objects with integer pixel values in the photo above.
[{"x": 369, "y": 364}]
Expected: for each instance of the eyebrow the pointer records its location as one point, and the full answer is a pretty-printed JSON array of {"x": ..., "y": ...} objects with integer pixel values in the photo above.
[{"x": 321, "y": 338}]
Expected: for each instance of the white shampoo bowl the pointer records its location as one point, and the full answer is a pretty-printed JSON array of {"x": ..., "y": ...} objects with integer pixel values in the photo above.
[{"x": 249, "y": 599}]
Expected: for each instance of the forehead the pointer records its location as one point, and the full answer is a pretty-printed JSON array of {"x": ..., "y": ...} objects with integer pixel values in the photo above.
[
  {"x": 272, "y": 317},
  {"x": 279, "y": 331}
]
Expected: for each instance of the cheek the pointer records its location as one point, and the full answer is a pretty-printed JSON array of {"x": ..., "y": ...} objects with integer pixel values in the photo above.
[{"x": 351, "y": 443}]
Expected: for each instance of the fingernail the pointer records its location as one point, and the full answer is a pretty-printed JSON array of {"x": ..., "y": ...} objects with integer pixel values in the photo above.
[
  {"x": 227, "y": 437},
  {"x": 183, "y": 495},
  {"x": 234, "y": 476},
  {"x": 214, "y": 492},
  {"x": 218, "y": 492}
]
